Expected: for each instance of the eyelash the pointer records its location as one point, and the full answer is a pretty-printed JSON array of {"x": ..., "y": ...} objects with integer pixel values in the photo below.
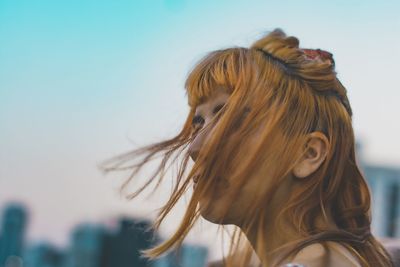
[{"x": 199, "y": 120}]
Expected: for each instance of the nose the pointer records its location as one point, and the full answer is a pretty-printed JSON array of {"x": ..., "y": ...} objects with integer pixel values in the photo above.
[
  {"x": 194, "y": 154},
  {"x": 197, "y": 143},
  {"x": 194, "y": 148}
]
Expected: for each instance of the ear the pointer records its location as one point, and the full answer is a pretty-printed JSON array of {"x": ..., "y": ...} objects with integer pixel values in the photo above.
[{"x": 316, "y": 149}]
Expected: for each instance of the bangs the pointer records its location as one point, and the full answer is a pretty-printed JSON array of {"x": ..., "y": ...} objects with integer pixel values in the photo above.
[{"x": 218, "y": 69}]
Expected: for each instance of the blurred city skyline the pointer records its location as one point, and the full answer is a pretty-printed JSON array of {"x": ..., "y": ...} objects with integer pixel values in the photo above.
[
  {"x": 90, "y": 244},
  {"x": 82, "y": 81}
]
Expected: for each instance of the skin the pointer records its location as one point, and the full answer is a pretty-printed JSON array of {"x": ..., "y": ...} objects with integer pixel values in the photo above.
[{"x": 211, "y": 209}]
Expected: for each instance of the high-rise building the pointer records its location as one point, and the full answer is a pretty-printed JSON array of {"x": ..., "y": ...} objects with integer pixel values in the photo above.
[
  {"x": 186, "y": 256},
  {"x": 122, "y": 247},
  {"x": 194, "y": 256},
  {"x": 13, "y": 226},
  {"x": 43, "y": 255},
  {"x": 384, "y": 183},
  {"x": 86, "y": 246}
]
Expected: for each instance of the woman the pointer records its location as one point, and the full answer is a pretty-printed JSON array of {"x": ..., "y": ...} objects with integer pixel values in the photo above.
[{"x": 270, "y": 133}]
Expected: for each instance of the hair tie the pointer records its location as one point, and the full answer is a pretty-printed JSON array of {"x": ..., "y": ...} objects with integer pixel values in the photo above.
[{"x": 318, "y": 54}]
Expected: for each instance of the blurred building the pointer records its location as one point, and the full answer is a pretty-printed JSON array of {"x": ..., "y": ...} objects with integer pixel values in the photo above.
[
  {"x": 384, "y": 183},
  {"x": 186, "y": 256},
  {"x": 121, "y": 248},
  {"x": 43, "y": 255},
  {"x": 86, "y": 246},
  {"x": 13, "y": 226},
  {"x": 194, "y": 256}
]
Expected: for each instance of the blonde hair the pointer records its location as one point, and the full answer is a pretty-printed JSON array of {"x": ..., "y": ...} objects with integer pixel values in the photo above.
[{"x": 289, "y": 95}]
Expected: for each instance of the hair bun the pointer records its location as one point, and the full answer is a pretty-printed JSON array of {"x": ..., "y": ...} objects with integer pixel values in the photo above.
[
  {"x": 314, "y": 66},
  {"x": 279, "y": 45}
]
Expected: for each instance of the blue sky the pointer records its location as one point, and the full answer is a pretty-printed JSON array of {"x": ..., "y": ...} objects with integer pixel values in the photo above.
[{"x": 81, "y": 81}]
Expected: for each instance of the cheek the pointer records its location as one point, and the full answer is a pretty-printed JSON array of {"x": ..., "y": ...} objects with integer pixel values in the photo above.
[
  {"x": 240, "y": 159},
  {"x": 224, "y": 199},
  {"x": 252, "y": 187}
]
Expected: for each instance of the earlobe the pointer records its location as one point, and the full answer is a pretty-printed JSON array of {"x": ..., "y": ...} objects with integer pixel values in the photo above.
[
  {"x": 301, "y": 170},
  {"x": 316, "y": 150}
]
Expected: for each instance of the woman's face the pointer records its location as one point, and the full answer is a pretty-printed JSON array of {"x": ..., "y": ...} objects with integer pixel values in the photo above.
[{"x": 212, "y": 208}]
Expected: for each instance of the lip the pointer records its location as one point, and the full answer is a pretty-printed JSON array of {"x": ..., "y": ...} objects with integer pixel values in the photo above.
[
  {"x": 195, "y": 181},
  {"x": 196, "y": 178}
]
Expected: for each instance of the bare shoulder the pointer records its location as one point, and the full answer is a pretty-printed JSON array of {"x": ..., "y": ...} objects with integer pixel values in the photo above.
[
  {"x": 331, "y": 255},
  {"x": 314, "y": 255},
  {"x": 343, "y": 254}
]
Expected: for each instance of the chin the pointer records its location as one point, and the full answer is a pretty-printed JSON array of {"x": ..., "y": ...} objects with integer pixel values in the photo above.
[
  {"x": 213, "y": 218},
  {"x": 220, "y": 207},
  {"x": 212, "y": 214}
]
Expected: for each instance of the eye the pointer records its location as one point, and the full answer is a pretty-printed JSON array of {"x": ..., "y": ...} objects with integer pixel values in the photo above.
[
  {"x": 200, "y": 120},
  {"x": 197, "y": 120}
]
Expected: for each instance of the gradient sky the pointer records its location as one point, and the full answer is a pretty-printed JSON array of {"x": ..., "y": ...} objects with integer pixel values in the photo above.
[{"x": 81, "y": 81}]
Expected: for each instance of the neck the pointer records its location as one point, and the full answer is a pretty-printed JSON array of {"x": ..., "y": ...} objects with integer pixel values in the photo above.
[{"x": 273, "y": 238}]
